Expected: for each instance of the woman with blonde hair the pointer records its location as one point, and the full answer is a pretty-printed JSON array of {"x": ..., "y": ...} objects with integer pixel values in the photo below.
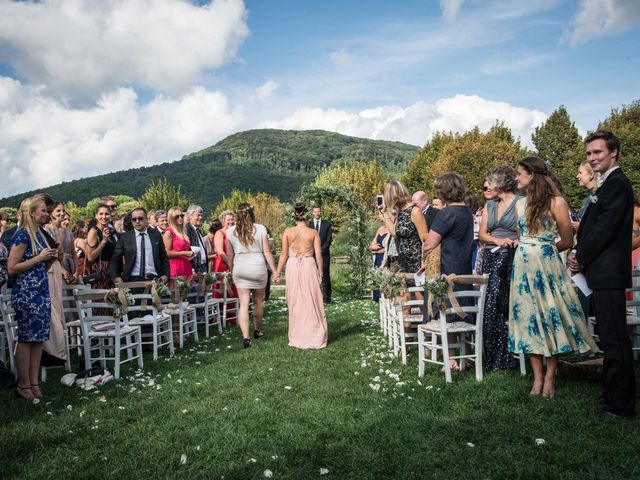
[
  {"x": 28, "y": 260},
  {"x": 588, "y": 179},
  {"x": 409, "y": 227},
  {"x": 248, "y": 248},
  {"x": 545, "y": 317},
  {"x": 177, "y": 244}
]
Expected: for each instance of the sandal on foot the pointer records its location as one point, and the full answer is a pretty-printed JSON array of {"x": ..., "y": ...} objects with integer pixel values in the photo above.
[
  {"x": 246, "y": 342},
  {"x": 258, "y": 334},
  {"x": 20, "y": 394},
  {"x": 37, "y": 392}
]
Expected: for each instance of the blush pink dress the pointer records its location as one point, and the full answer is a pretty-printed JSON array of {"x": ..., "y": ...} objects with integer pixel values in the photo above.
[
  {"x": 307, "y": 321},
  {"x": 179, "y": 266}
]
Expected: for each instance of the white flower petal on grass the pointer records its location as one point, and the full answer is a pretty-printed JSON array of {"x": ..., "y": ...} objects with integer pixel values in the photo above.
[
  {"x": 69, "y": 407},
  {"x": 120, "y": 408},
  {"x": 287, "y": 387},
  {"x": 198, "y": 448},
  {"x": 183, "y": 459},
  {"x": 49, "y": 413},
  {"x": 324, "y": 471},
  {"x": 274, "y": 457},
  {"x": 82, "y": 413},
  {"x": 184, "y": 411},
  {"x": 470, "y": 445},
  {"x": 103, "y": 398},
  {"x": 540, "y": 441},
  {"x": 252, "y": 460},
  {"x": 375, "y": 386},
  {"x": 268, "y": 473}
]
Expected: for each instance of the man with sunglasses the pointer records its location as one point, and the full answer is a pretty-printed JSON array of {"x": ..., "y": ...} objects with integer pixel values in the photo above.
[{"x": 143, "y": 252}]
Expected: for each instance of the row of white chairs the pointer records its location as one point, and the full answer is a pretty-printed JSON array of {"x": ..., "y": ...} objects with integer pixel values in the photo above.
[
  {"x": 91, "y": 328},
  {"x": 437, "y": 341}
]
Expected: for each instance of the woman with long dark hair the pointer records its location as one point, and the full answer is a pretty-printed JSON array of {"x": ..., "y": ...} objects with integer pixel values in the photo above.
[
  {"x": 28, "y": 261},
  {"x": 546, "y": 319},
  {"x": 302, "y": 254},
  {"x": 248, "y": 248},
  {"x": 101, "y": 241}
]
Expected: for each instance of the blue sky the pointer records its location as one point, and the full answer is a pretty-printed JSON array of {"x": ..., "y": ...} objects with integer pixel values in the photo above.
[{"x": 92, "y": 87}]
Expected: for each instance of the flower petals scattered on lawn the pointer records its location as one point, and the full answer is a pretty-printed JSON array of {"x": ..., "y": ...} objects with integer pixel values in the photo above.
[
  {"x": 470, "y": 445},
  {"x": 324, "y": 471},
  {"x": 183, "y": 459},
  {"x": 540, "y": 441},
  {"x": 252, "y": 460},
  {"x": 268, "y": 473},
  {"x": 287, "y": 387}
]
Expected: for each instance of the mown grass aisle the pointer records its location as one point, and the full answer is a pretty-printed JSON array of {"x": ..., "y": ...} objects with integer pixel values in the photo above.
[{"x": 216, "y": 411}]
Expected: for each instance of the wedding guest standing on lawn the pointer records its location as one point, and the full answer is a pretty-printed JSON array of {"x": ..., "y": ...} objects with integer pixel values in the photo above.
[
  {"x": 324, "y": 229},
  {"x": 28, "y": 262},
  {"x": 498, "y": 234},
  {"x": 177, "y": 245},
  {"x": 546, "y": 319},
  {"x": 603, "y": 253},
  {"x": 101, "y": 240}
]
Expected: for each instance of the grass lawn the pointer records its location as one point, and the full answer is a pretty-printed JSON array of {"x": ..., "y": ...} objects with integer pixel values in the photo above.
[{"x": 234, "y": 413}]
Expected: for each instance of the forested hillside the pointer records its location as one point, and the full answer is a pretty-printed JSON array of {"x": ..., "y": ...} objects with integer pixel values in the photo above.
[{"x": 276, "y": 162}]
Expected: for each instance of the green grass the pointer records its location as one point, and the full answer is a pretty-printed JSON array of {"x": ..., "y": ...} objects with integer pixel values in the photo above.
[{"x": 222, "y": 406}]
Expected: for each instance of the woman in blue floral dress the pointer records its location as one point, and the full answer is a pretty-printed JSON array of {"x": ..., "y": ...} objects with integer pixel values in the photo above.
[
  {"x": 28, "y": 261},
  {"x": 545, "y": 314}
]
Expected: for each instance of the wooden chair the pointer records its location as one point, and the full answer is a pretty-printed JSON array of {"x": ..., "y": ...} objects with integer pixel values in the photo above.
[
  {"x": 229, "y": 305},
  {"x": 155, "y": 326},
  {"x": 106, "y": 338},
  {"x": 207, "y": 308},
  {"x": 409, "y": 316},
  {"x": 434, "y": 335}
]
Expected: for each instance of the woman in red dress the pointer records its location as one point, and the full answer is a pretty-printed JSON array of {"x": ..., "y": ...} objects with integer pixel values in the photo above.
[
  {"x": 221, "y": 261},
  {"x": 177, "y": 245}
]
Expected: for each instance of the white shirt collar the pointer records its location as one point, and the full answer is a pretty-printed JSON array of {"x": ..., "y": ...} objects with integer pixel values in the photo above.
[{"x": 606, "y": 174}]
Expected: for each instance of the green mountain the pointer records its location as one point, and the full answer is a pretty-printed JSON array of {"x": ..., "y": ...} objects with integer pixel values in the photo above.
[{"x": 277, "y": 162}]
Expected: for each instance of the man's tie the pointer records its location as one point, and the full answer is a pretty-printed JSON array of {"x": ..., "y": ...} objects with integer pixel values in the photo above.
[
  {"x": 143, "y": 254},
  {"x": 317, "y": 226}
]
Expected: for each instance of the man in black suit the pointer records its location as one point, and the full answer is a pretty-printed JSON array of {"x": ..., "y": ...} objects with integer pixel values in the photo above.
[
  {"x": 142, "y": 249},
  {"x": 429, "y": 212},
  {"x": 603, "y": 254},
  {"x": 193, "y": 223},
  {"x": 324, "y": 229}
]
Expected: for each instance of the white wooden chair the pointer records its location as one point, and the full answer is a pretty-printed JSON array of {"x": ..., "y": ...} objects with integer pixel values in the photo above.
[
  {"x": 186, "y": 325},
  {"x": 72, "y": 315},
  {"x": 207, "y": 308},
  {"x": 106, "y": 338},
  {"x": 633, "y": 312},
  {"x": 8, "y": 333},
  {"x": 433, "y": 336},
  {"x": 155, "y": 326},
  {"x": 229, "y": 305},
  {"x": 409, "y": 316}
]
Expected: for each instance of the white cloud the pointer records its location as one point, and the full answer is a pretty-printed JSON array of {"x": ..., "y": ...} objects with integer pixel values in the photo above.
[
  {"x": 266, "y": 90},
  {"x": 601, "y": 18},
  {"x": 417, "y": 123},
  {"x": 450, "y": 9},
  {"x": 44, "y": 142},
  {"x": 341, "y": 58},
  {"x": 76, "y": 47}
]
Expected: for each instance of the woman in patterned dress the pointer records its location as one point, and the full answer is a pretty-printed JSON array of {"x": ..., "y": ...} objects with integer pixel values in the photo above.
[
  {"x": 546, "y": 319},
  {"x": 28, "y": 261}
]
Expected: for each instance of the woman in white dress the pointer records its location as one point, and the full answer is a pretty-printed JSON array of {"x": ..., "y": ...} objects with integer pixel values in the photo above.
[{"x": 248, "y": 248}]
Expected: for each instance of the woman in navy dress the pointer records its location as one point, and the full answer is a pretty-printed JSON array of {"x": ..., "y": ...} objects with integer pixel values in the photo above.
[
  {"x": 378, "y": 249},
  {"x": 28, "y": 261}
]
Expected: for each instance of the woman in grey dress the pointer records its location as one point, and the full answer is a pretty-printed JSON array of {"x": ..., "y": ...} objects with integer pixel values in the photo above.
[{"x": 248, "y": 248}]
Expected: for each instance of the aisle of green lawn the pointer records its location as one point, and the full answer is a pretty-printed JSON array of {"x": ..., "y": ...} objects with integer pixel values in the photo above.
[{"x": 217, "y": 411}]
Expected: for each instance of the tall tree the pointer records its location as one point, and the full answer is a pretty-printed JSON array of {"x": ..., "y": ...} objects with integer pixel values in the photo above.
[
  {"x": 560, "y": 145},
  {"x": 416, "y": 176},
  {"x": 161, "y": 195}
]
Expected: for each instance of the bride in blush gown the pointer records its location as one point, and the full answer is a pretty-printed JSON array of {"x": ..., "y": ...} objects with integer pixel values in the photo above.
[{"x": 307, "y": 321}]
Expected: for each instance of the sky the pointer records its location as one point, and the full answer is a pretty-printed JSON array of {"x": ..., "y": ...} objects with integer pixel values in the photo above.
[{"x": 90, "y": 87}]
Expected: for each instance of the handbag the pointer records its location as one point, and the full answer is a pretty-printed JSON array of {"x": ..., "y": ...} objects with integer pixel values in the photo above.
[{"x": 89, "y": 278}]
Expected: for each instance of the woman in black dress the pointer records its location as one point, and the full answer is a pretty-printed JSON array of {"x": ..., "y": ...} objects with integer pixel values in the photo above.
[{"x": 101, "y": 241}]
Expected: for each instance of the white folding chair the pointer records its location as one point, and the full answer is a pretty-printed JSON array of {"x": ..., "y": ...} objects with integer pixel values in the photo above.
[
  {"x": 106, "y": 338},
  {"x": 434, "y": 335},
  {"x": 155, "y": 326},
  {"x": 230, "y": 305},
  {"x": 633, "y": 312},
  {"x": 8, "y": 332},
  {"x": 183, "y": 320},
  {"x": 207, "y": 308},
  {"x": 72, "y": 316},
  {"x": 409, "y": 316}
]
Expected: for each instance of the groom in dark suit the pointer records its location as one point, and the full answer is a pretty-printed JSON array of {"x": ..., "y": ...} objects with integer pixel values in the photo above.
[
  {"x": 324, "y": 229},
  {"x": 603, "y": 254},
  {"x": 143, "y": 252}
]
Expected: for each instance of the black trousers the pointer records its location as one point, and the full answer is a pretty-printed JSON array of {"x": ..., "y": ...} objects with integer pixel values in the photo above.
[
  {"x": 618, "y": 379},
  {"x": 326, "y": 278}
]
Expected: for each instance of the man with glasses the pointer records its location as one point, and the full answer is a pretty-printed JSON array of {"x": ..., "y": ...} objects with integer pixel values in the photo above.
[
  {"x": 193, "y": 222},
  {"x": 143, "y": 252}
]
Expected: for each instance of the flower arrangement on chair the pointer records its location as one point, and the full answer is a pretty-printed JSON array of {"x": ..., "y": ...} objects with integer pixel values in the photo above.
[
  {"x": 389, "y": 281},
  {"x": 120, "y": 298}
]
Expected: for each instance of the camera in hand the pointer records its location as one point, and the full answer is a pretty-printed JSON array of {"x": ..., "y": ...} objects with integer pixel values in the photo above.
[{"x": 379, "y": 200}]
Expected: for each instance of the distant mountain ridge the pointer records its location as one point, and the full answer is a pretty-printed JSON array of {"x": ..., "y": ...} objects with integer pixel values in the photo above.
[{"x": 273, "y": 161}]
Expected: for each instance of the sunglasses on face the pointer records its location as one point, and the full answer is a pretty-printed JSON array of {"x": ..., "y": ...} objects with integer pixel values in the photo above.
[
  {"x": 112, "y": 207},
  {"x": 180, "y": 215},
  {"x": 138, "y": 219},
  {"x": 486, "y": 189}
]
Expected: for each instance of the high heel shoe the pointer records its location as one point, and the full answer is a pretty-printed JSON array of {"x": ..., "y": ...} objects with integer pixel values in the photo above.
[
  {"x": 36, "y": 393},
  {"x": 22, "y": 395},
  {"x": 246, "y": 342}
]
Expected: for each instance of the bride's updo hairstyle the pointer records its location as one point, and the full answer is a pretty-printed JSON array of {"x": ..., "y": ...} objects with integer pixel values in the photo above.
[{"x": 300, "y": 212}]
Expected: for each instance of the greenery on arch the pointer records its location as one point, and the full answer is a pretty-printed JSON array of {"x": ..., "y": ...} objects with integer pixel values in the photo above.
[{"x": 356, "y": 215}]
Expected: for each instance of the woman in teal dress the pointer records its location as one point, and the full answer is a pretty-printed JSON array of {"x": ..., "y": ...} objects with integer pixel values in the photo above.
[{"x": 545, "y": 314}]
